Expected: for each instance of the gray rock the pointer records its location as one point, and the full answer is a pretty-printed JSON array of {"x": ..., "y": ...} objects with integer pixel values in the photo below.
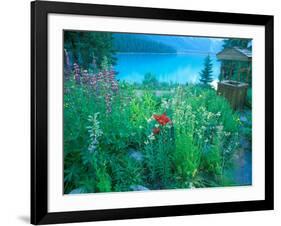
[
  {"x": 138, "y": 188},
  {"x": 245, "y": 144},
  {"x": 136, "y": 155},
  {"x": 243, "y": 118},
  {"x": 77, "y": 191}
]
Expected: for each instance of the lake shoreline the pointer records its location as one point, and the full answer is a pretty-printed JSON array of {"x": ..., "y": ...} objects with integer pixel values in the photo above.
[
  {"x": 166, "y": 67},
  {"x": 176, "y": 53}
]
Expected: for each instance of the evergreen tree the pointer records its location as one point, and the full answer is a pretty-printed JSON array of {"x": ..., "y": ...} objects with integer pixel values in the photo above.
[
  {"x": 139, "y": 43},
  {"x": 88, "y": 49},
  {"x": 236, "y": 42},
  {"x": 150, "y": 80},
  {"x": 206, "y": 76}
]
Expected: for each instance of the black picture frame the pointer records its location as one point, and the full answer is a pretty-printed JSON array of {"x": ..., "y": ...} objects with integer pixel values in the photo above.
[{"x": 39, "y": 112}]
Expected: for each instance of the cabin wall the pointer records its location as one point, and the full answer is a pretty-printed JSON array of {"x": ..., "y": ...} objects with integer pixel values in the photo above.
[{"x": 235, "y": 94}]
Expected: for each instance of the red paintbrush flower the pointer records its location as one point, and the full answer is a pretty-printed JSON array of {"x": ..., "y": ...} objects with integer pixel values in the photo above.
[
  {"x": 162, "y": 119},
  {"x": 156, "y": 131}
]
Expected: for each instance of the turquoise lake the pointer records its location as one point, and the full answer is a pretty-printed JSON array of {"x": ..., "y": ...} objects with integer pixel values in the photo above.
[{"x": 180, "y": 68}]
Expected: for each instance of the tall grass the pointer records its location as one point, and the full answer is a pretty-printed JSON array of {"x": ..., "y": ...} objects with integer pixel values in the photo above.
[{"x": 187, "y": 138}]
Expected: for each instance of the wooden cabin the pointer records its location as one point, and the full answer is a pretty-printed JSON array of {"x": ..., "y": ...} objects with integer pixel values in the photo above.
[
  {"x": 237, "y": 64},
  {"x": 235, "y": 75}
]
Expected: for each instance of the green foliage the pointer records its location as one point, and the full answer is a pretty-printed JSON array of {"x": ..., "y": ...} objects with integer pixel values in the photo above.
[
  {"x": 105, "y": 64},
  {"x": 185, "y": 135},
  {"x": 94, "y": 132},
  {"x": 158, "y": 154},
  {"x": 206, "y": 76},
  {"x": 186, "y": 159},
  {"x": 236, "y": 42},
  {"x": 126, "y": 172},
  {"x": 103, "y": 180},
  {"x": 192, "y": 149},
  {"x": 246, "y": 124},
  {"x": 210, "y": 129},
  {"x": 88, "y": 49},
  {"x": 249, "y": 97},
  {"x": 150, "y": 81}
]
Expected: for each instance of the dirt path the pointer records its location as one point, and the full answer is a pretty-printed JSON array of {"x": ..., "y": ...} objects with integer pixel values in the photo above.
[
  {"x": 242, "y": 162},
  {"x": 242, "y": 171}
]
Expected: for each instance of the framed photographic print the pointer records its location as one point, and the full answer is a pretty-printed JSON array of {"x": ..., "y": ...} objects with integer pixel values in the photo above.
[{"x": 145, "y": 112}]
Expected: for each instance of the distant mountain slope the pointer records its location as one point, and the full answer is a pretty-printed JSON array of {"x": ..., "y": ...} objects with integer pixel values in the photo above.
[
  {"x": 166, "y": 43},
  {"x": 187, "y": 44},
  {"x": 139, "y": 43}
]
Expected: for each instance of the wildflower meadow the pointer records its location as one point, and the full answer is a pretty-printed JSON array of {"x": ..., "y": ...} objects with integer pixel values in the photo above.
[{"x": 122, "y": 136}]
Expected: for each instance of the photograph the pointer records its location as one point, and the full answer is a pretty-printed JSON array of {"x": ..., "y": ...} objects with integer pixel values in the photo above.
[{"x": 148, "y": 112}]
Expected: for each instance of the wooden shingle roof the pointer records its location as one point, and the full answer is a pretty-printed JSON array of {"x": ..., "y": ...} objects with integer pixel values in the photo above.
[{"x": 235, "y": 53}]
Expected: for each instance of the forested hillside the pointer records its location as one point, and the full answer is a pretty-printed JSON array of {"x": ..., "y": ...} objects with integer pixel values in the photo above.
[
  {"x": 139, "y": 43},
  {"x": 165, "y": 43},
  {"x": 89, "y": 49}
]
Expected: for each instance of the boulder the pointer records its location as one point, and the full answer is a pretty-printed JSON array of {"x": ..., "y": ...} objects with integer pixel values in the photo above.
[
  {"x": 136, "y": 155},
  {"x": 138, "y": 188},
  {"x": 77, "y": 191}
]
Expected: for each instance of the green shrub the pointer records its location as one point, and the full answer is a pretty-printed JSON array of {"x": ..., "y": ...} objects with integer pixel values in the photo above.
[
  {"x": 150, "y": 81},
  {"x": 186, "y": 159},
  {"x": 191, "y": 149}
]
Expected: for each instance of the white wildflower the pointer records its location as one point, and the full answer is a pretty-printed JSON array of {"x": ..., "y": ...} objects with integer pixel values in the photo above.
[
  {"x": 191, "y": 185},
  {"x": 169, "y": 125},
  {"x": 151, "y": 137},
  {"x": 165, "y": 104},
  {"x": 149, "y": 120},
  {"x": 94, "y": 132}
]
